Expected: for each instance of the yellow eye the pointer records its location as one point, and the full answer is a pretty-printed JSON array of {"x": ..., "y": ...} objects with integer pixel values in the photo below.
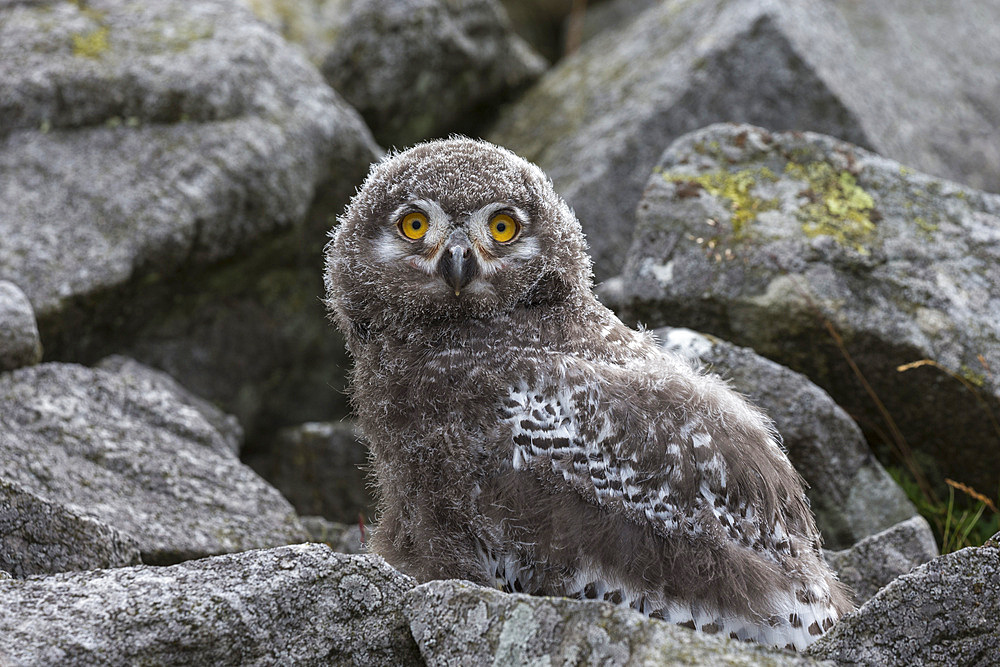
[
  {"x": 503, "y": 227},
  {"x": 413, "y": 225}
]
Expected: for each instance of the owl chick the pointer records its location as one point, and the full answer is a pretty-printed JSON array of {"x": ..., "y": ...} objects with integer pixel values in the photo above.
[{"x": 523, "y": 437}]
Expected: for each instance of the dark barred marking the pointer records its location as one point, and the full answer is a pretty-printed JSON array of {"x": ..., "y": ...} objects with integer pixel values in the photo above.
[
  {"x": 795, "y": 620},
  {"x": 522, "y": 439},
  {"x": 827, "y": 623},
  {"x": 687, "y": 624},
  {"x": 711, "y": 628},
  {"x": 590, "y": 591},
  {"x": 814, "y": 629},
  {"x": 613, "y": 597},
  {"x": 657, "y": 614}
]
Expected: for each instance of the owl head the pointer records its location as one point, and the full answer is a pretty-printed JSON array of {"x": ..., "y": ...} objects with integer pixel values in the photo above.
[{"x": 451, "y": 230}]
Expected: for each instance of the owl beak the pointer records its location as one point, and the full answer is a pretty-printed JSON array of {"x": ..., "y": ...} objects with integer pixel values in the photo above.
[{"x": 458, "y": 265}]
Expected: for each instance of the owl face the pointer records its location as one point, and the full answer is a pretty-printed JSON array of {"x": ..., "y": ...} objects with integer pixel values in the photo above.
[{"x": 449, "y": 230}]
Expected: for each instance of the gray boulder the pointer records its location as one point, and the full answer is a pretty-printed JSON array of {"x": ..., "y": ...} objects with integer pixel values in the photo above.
[
  {"x": 899, "y": 77},
  {"x": 320, "y": 468},
  {"x": 422, "y": 68},
  {"x": 851, "y": 493},
  {"x": 19, "y": 341},
  {"x": 301, "y": 605},
  {"x": 459, "y": 623},
  {"x": 39, "y": 537},
  {"x": 946, "y": 612},
  {"x": 122, "y": 448},
  {"x": 167, "y": 166},
  {"x": 157, "y": 386},
  {"x": 878, "y": 559},
  {"x": 841, "y": 265}
]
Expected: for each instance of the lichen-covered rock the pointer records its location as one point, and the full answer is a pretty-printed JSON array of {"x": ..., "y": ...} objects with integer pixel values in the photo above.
[
  {"x": 156, "y": 385},
  {"x": 852, "y": 495},
  {"x": 839, "y": 264},
  {"x": 19, "y": 341},
  {"x": 422, "y": 68},
  {"x": 39, "y": 537},
  {"x": 946, "y": 612},
  {"x": 878, "y": 559},
  {"x": 301, "y": 605},
  {"x": 141, "y": 145},
  {"x": 459, "y": 623},
  {"x": 900, "y": 77},
  {"x": 122, "y": 448},
  {"x": 320, "y": 467}
]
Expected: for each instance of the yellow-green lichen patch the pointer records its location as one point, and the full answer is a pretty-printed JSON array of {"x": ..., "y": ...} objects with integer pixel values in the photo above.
[
  {"x": 838, "y": 207},
  {"x": 91, "y": 44},
  {"x": 977, "y": 379},
  {"x": 925, "y": 226},
  {"x": 738, "y": 188}
]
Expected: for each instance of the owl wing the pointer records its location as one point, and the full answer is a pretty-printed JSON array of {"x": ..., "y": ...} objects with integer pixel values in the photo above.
[
  {"x": 661, "y": 445},
  {"x": 678, "y": 453}
]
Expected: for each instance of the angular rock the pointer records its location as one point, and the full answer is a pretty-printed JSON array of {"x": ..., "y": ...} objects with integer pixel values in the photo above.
[
  {"x": 460, "y": 62},
  {"x": 598, "y": 122},
  {"x": 459, "y": 623},
  {"x": 320, "y": 468},
  {"x": 19, "y": 341},
  {"x": 878, "y": 559},
  {"x": 123, "y": 449},
  {"x": 851, "y": 493},
  {"x": 298, "y": 604},
  {"x": 837, "y": 263},
  {"x": 39, "y": 537},
  {"x": 152, "y": 383},
  {"x": 159, "y": 163},
  {"x": 946, "y": 612}
]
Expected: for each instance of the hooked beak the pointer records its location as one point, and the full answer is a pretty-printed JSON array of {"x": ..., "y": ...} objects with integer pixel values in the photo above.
[{"x": 458, "y": 265}]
